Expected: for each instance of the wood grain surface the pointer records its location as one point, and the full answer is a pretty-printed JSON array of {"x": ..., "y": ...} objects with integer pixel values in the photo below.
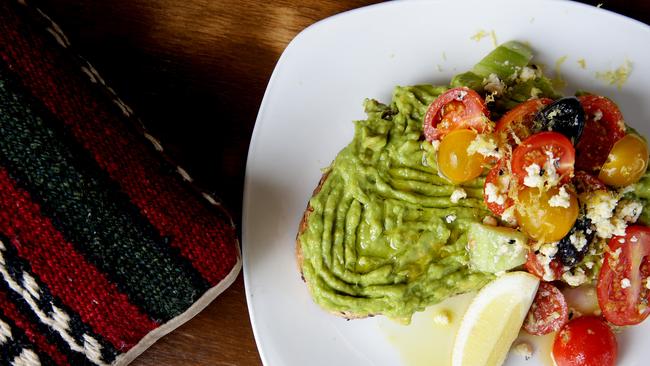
[{"x": 195, "y": 71}]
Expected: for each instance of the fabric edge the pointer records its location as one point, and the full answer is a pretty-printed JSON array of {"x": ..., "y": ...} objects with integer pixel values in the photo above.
[{"x": 198, "y": 306}]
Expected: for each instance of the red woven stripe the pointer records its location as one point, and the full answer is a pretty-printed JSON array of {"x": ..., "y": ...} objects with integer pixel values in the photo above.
[
  {"x": 203, "y": 238},
  {"x": 62, "y": 269},
  {"x": 9, "y": 309}
]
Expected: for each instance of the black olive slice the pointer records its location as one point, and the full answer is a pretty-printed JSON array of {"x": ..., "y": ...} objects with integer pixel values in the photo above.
[{"x": 565, "y": 116}]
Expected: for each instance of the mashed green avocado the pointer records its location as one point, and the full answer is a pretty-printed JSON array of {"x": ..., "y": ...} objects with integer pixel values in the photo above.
[
  {"x": 384, "y": 236},
  {"x": 378, "y": 239}
]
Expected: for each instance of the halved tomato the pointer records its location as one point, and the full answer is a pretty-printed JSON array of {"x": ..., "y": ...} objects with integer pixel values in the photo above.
[
  {"x": 534, "y": 266},
  {"x": 455, "y": 109},
  {"x": 540, "y": 149},
  {"x": 585, "y": 341},
  {"x": 623, "y": 289},
  {"x": 519, "y": 120},
  {"x": 604, "y": 126},
  {"x": 585, "y": 182},
  {"x": 496, "y": 187},
  {"x": 549, "y": 311}
]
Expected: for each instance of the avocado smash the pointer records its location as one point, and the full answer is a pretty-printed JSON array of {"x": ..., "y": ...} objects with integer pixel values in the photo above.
[{"x": 385, "y": 233}]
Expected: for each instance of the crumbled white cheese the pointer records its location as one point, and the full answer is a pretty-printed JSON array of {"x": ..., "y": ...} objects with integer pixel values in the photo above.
[
  {"x": 535, "y": 92},
  {"x": 561, "y": 199},
  {"x": 435, "y": 144},
  {"x": 450, "y": 218},
  {"x": 523, "y": 349},
  {"x": 528, "y": 73},
  {"x": 485, "y": 145},
  {"x": 578, "y": 240},
  {"x": 493, "y": 84},
  {"x": 575, "y": 279},
  {"x": 625, "y": 283},
  {"x": 600, "y": 210},
  {"x": 628, "y": 210},
  {"x": 489, "y": 220},
  {"x": 533, "y": 177},
  {"x": 509, "y": 216},
  {"x": 598, "y": 115},
  {"x": 441, "y": 317},
  {"x": 545, "y": 257},
  {"x": 493, "y": 195},
  {"x": 457, "y": 195},
  {"x": 549, "y": 249}
]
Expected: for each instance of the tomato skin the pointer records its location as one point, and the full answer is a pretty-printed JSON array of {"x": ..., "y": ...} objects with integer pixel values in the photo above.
[
  {"x": 540, "y": 220},
  {"x": 455, "y": 109},
  {"x": 586, "y": 183},
  {"x": 533, "y": 266},
  {"x": 454, "y": 162},
  {"x": 585, "y": 341},
  {"x": 604, "y": 126},
  {"x": 494, "y": 177},
  {"x": 627, "y": 258},
  {"x": 533, "y": 151},
  {"x": 626, "y": 162},
  {"x": 519, "y": 120},
  {"x": 549, "y": 311}
]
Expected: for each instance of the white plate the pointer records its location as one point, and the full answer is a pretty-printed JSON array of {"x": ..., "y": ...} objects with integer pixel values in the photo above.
[{"x": 317, "y": 89}]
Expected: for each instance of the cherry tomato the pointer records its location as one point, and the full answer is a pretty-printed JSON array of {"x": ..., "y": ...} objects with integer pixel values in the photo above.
[
  {"x": 534, "y": 266},
  {"x": 458, "y": 108},
  {"x": 536, "y": 150},
  {"x": 626, "y": 163},
  {"x": 603, "y": 127},
  {"x": 549, "y": 311},
  {"x": 623, "y": 292},
  {"x": 585, "y": 341},
  {"x": 539, "y": 219},
  {"x": 453, "y": 160},
  {"x": 519, "y": 120},
  {"x": 585, "y": 182},
  {"x": 499, "y": 179}
]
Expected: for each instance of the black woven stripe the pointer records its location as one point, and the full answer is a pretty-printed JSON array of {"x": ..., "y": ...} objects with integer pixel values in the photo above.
[
  {"x": 19, "y": 341},
  {"x": 16, "y": 267},
  {"x": 88, "y": 209}
]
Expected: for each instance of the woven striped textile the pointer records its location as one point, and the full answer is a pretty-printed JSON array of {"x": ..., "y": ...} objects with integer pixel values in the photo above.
[{"x": 105, "y": 245}]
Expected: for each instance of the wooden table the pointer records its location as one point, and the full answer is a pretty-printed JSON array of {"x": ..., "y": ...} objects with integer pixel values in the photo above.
[{"x": 196, "y": 71}]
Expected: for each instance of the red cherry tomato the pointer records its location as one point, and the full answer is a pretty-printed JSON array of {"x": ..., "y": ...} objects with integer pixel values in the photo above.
[
  {"x": 623, "y": 293},
  {"x": 549, "y": 311},
  {"x": 585, "y": 341},
  {"x": 499, "y": 176},
  {"x": 535, "y": 150},
  {"x": 585, "y": 182},
  {"x": 519, "y": 120},
  {"x": 603, "y": 127},
  {"x": 456, "y": 108},
  {"x": 534, "y": 266}
]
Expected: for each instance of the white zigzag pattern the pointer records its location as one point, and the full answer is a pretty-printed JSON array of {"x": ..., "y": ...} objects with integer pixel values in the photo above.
[
  {"x": 59, "y": 320},
  {"x": 26, "y": 358}
]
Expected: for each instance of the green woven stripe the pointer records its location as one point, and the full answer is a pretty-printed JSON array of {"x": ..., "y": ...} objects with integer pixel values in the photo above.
[{"x": 83, "y": 205}]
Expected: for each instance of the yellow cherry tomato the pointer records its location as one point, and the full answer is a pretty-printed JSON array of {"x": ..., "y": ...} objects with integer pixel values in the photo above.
[
  {"x": 626, "y": 162},
  {"x": 453, "y": 160},
  {"x": 546, "y": 215}
]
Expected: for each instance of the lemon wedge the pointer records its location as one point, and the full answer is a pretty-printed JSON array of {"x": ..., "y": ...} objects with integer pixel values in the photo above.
[{"x": 493, "y": 320}]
